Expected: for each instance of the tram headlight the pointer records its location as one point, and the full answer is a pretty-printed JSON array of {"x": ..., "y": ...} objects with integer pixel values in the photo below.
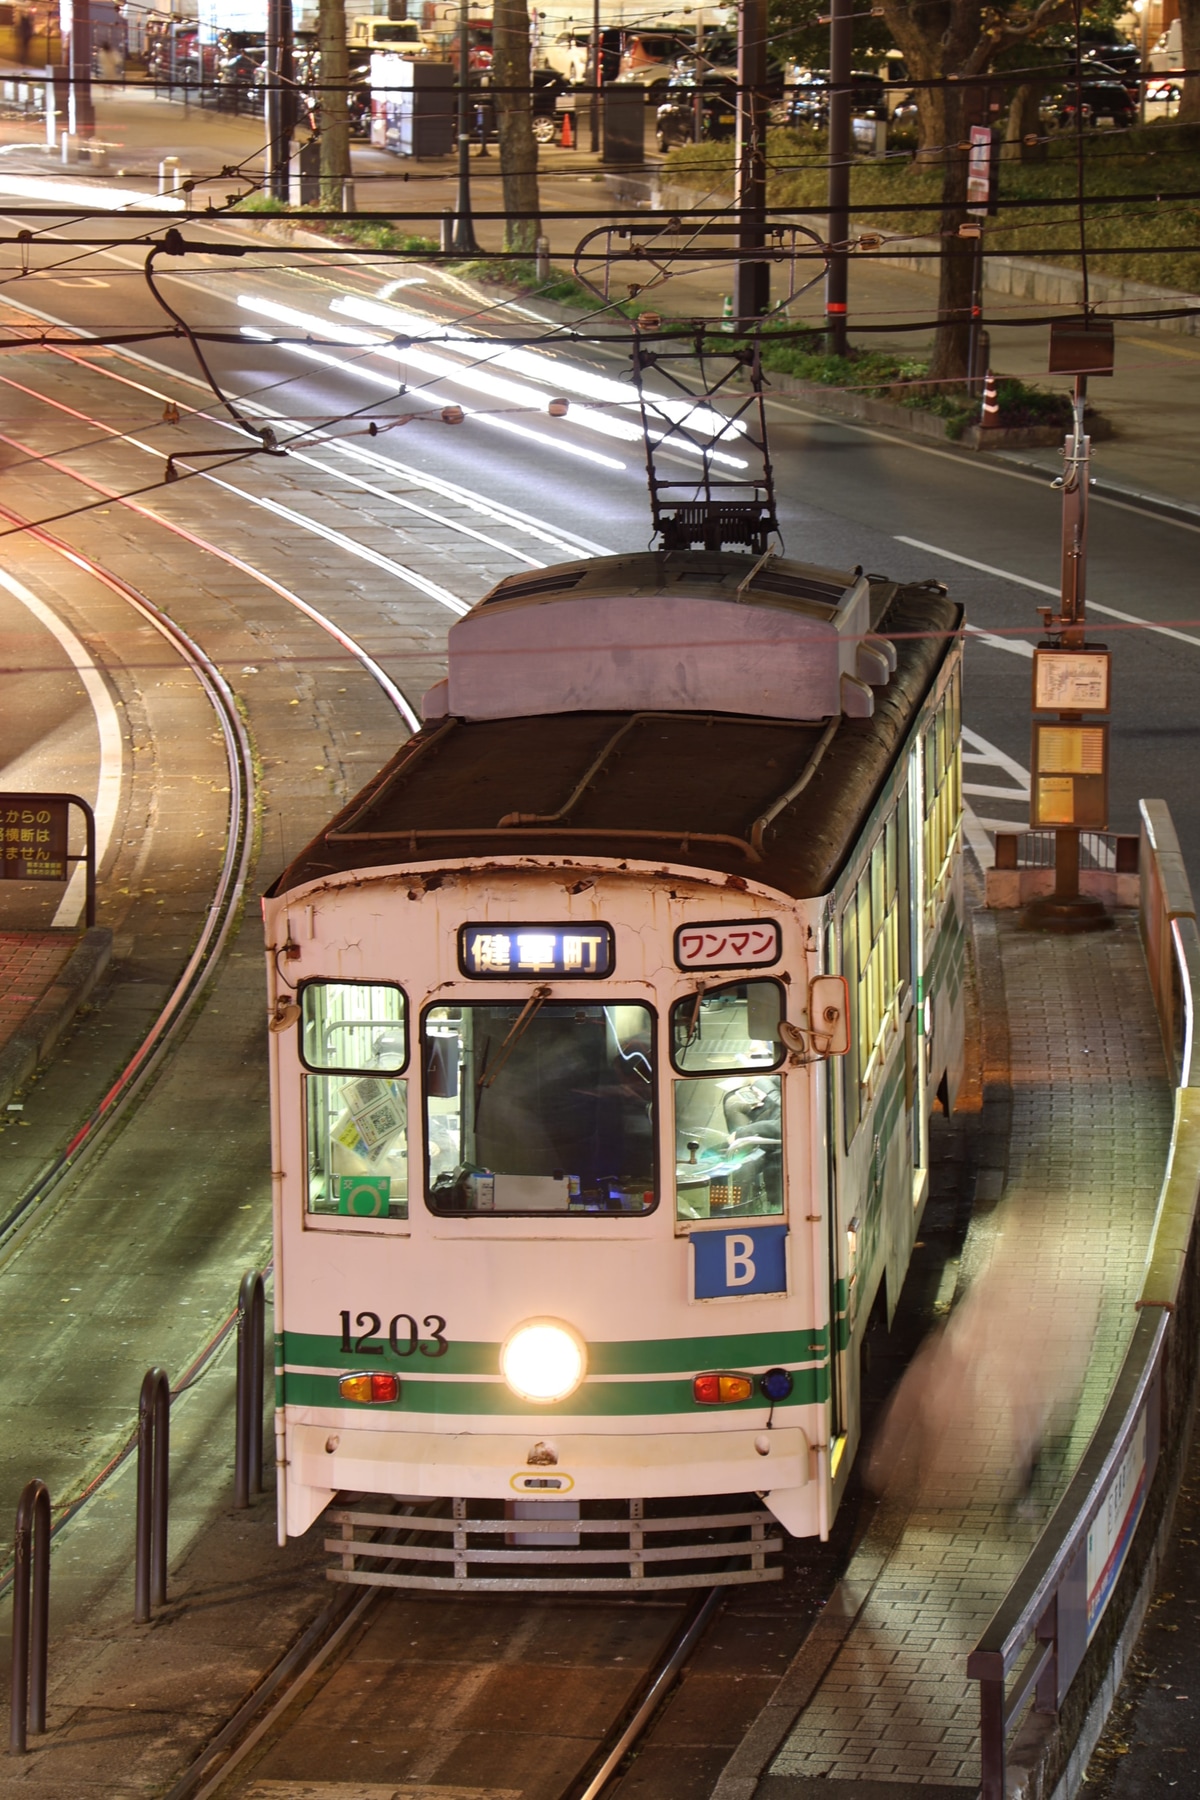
[{"x": 543, "y": 1360}]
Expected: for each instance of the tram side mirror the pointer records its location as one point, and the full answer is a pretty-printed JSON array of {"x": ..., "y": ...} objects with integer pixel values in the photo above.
[{"x": 829, "y": 1015}]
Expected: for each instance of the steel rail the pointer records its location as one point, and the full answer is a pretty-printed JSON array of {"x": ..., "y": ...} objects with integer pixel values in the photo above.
[
  {"x": 222, "y": 909},
  {"x": 684, "y": 1644}
]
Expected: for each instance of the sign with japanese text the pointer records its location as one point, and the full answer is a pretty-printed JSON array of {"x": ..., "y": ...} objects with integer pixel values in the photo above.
[
  {"x": 1071, "y": 680},
  {"x": 509, "y": 952},
  {"x": 1070, "y": 776},
  {"x": 33, "y": 838},
  {"x": 981, "y": 171},
  {"x": 738, "y": 944}
]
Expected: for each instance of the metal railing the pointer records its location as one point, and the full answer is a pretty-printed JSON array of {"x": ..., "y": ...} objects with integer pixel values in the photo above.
[
  {"x": 153, "y": 1487},
  {"x": 1097, "y": 850},
  {"x": 1037, "y": 1642},
  {"x": 31, "y": 1614},
  {"x": 251, "y": 1323}
]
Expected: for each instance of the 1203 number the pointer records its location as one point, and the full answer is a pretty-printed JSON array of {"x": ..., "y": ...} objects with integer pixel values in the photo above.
[{"x": 403, "y": 1335}]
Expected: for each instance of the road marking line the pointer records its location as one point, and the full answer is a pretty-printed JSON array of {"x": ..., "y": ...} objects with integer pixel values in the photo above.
[
  {"x": 1040, "y": 587},
  {"x": 991, "y": 468},
  {"x": 108, "y": 730}
]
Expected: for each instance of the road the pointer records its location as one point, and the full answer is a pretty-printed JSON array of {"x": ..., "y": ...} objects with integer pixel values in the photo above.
[{"x": 846, "y": 494}]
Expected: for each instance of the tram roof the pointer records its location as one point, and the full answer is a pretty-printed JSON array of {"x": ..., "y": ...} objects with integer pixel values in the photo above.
[{"x": 710, "y": 790}]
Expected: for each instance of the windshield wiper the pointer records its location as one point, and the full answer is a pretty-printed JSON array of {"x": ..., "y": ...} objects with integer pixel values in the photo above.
[{"x": 520, "y": 1026}]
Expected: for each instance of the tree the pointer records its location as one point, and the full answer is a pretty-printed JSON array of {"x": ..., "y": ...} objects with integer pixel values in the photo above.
[
  {"x": 945, "y": 43},
  {"x": 1189, "y": 32},
  {"x": 334, "y": 101},
  {"x": 514, "y": 123}
]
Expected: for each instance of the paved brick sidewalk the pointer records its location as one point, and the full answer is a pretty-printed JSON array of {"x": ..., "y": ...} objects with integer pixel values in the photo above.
[
  {"x": 29, "y": 962},
  {"x": 1090, "y": 1127}
]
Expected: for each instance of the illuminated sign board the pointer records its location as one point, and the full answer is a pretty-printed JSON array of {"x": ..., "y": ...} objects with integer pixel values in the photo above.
[
  {"x": 1071, "y": 680},
  {"x": 728, "y": 944},
  {"x": 509, "y": 952},
  {"x": 1070, "y": 776}
]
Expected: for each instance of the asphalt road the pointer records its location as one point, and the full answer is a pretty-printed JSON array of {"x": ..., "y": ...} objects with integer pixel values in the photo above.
[{"x": 846, "y": 494}]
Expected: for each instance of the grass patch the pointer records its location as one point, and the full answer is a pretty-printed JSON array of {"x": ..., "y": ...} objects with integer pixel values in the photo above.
[
  {"x": 883, "y": 375},
  {"x": 1145, "y": 161}
]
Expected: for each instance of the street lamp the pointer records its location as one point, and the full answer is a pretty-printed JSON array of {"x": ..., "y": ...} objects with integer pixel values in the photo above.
[{"x": 464, "y": 228}]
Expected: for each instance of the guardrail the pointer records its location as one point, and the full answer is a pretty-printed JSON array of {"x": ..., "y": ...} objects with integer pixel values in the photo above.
[{"x": 1051, "y": 1641}]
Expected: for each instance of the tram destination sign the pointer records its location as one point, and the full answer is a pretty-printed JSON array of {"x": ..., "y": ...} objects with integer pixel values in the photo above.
[
  {"x": 33, "y": 838},
  {"x": 508, "y": 952},
  {"x": 728, "y": 944}
]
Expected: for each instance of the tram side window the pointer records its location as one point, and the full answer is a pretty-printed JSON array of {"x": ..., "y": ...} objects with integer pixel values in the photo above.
[
  {"x": 729, "y": 1105},
  {"x": 871, "y": 960},
  {"x": 354, "y": 1047},
  {"x": 540, "y": 1107},
  {"x": 943, "y": 788}
]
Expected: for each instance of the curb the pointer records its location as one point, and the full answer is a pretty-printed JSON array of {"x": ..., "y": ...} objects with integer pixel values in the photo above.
[{"x": 34, "y": 1041}]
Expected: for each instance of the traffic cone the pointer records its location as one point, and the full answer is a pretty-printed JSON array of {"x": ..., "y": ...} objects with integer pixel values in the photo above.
[
  {"x": 989, "y": 418},
  {"x": 568, "y": 136}
]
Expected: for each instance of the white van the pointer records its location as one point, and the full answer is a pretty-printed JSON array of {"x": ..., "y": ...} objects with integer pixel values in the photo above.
[
  {"x": 403, "y": 36},
  {"x": 1168, "y": 52}
]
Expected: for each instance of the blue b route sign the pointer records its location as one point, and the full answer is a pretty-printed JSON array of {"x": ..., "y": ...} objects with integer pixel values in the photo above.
[{"x": 750, "y": 1259}]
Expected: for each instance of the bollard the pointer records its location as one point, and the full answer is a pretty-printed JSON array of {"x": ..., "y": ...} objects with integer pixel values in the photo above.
[
  {"x": 989, "y": 417},
  {"x": 166, "y": 174},
  {"x": 541, "y": 267},
  {"x": 251, "y": 1321},
  {"x": 30, "y": 1636},
  {"x": 447, "y": 237},
  {"x": 348, "y": 201},
  {"x": 186, "y": 186},
  {"x": 154, "y": 1459},
  {"x": 70, "y": 147}
]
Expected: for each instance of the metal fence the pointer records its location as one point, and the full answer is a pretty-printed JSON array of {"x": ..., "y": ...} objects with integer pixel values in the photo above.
[{"x": 1051, "y": 1640}]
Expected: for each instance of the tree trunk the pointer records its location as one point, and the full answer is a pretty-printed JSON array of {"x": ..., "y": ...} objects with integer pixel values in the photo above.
[
  {"x": 952, "y": 338},
  {"x": 1189, "y": 32},
  {"x": 1024, "y": 121},
  {"x": 514, "y": 123},
  {"x": 334, "y": 102}
]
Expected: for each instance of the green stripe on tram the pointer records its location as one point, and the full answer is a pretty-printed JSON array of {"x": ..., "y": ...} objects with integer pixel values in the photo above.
[
  {"x": 595, "y": 1399},
  {"x": 653, "y": 1356}
]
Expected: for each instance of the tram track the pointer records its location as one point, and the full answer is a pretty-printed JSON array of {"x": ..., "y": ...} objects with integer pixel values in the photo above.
[{"x": 331, "y": 1638}]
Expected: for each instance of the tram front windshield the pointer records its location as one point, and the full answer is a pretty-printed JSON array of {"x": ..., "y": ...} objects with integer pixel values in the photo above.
[{"x": 542, "y": 1107}]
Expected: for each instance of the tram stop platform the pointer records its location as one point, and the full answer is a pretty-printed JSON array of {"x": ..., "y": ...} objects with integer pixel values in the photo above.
[{"x": 1074, "y": 1139}]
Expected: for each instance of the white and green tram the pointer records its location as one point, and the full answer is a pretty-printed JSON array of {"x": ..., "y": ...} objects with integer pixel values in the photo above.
[{"x": 607, "y": 1022}]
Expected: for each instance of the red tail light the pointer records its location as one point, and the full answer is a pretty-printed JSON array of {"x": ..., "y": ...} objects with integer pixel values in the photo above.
[
  {"x": 369, "y": 1390},
  {"x": 713, "y": 1390}
]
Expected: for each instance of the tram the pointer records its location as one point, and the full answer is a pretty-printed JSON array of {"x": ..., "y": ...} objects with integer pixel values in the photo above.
[{"x": 606, "y": 1026}]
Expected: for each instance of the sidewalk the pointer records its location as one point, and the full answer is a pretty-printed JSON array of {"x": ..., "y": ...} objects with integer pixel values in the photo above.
[{"x": 882, "y": 1683}]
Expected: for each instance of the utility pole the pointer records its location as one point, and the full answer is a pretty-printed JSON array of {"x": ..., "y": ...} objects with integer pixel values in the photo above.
[
  {"x": 464, "y": 225},
  {"x": 280, "y": 97},
  {"x": 841, "y": 52},
  {"x": 597, "y": 77},
  {"x": 1071, "y": 678},
  {"x": 752, "y": 283}
]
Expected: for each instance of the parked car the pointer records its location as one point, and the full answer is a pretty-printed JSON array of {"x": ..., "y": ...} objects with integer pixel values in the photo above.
[
  {"x": 648, "y": 59},
  {"x": 569, "y": 54},
  {"x": 810, "y": 98},
  {"x": 546, "y": 87},
  {"x": 1104, "y": 97},
  {"x": 676, "y": 120},
  {"x": 1121, "y": 60}
]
